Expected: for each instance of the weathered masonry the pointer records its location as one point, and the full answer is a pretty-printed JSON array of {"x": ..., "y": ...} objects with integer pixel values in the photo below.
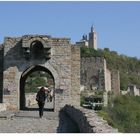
[
  {"x": 21, "y": 56},
  {"x": 96, "y": 75}
]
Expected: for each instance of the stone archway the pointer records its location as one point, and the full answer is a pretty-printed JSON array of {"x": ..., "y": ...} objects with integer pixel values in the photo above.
[
  {"x": 23, "y": 78},
  {"x": 59, "y": 57}
]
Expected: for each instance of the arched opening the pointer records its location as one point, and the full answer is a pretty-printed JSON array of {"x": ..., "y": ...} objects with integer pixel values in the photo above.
[
  {"x": 31, "y": 80},
  {"x": 37, "y": 49},
  {"x": 93, "y": 82}
]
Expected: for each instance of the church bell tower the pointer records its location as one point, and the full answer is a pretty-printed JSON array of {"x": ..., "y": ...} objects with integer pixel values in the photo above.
[{"x": 93, "y": 38}]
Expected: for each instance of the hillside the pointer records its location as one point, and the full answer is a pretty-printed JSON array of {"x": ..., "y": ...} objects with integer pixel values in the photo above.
[
  {"x": 124, "y": 114},
  {"x": 129, "y": 67}
]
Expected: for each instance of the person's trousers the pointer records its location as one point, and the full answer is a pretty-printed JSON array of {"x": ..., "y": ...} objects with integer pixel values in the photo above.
[{"x": 41, "y": 108}]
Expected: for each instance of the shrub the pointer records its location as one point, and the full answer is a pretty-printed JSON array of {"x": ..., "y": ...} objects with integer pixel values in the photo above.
[{"x": 125, "y": 114}]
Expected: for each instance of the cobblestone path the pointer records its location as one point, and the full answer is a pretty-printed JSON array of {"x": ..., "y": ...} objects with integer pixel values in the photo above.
[{"x": 28, "y": 121}]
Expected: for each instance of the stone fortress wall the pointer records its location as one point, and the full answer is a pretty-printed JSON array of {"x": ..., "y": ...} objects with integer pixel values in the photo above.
[
  {"x": 95, "y": 75},
  {"x": 60, "y": 58},
  {"x": 115, "y": 81},
  {"x": 90, "y": 68}
]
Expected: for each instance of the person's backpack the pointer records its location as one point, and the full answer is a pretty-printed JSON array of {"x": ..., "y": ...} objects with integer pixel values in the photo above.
[
  {"x": 37, "y": 97},
  {"x": 40, "y": 97}
]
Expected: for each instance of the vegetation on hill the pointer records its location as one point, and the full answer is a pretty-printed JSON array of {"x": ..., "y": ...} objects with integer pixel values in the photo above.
[
  {"x": 129, "y": 67},
  {"x": 123, "y": 113}
]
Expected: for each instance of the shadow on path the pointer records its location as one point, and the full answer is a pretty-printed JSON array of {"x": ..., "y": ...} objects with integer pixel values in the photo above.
[
  {"x": 32, "y": 117},
  {"x": 33, "y": 112},
  {"x": 36, "y": 109}
]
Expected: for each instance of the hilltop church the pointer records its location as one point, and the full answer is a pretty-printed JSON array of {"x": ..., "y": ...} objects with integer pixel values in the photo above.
[{"x": 91, "y": 42}]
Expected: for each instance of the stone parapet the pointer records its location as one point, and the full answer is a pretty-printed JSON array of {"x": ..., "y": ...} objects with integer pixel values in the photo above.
[{"x": 88, "y": 121}]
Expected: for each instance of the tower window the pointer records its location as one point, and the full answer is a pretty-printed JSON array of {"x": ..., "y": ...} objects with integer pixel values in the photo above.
[{"x": 37, "y": 49}]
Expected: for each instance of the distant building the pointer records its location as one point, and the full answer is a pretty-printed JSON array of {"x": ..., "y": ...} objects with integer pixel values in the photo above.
[
  {"x": 133, "y": 90},
  {"x": 91, "y": 42},
  {"x": 93, "y": 38},
  {"x": 83, "y": 42}
]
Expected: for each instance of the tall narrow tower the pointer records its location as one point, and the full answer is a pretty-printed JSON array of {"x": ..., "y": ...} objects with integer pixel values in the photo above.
[{"x": 93, "y": 38}]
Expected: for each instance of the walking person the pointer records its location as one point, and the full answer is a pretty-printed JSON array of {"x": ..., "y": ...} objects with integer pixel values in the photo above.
[{"x": 40, "y": 98}]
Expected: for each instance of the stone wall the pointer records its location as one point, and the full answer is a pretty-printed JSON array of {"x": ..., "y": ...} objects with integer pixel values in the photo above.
[
  {"x": 75, "y": 75},
  {"x": 10, "y": 73},
  {"x": 95, "y": 75},
  {"x": 88, "y": 121},
  {"x": 133, "y": 90},
  {"x": 63, "y": 63},
  {"x": 136, "y": 91},
  {"x": 107, "y": 80},
  {"x": 115, "y": 81},
  {"x": 90, "y": 68},
  {"x": 1, "y": 72}
]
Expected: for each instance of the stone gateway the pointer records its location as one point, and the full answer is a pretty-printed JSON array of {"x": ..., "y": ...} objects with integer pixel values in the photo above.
[{"x": 21, "y": 56}]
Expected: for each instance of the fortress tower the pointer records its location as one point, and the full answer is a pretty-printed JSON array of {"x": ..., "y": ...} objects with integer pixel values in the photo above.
[{"x": 93, "y": 38}]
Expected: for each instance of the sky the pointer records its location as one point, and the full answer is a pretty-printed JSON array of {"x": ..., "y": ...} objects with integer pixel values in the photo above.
[{"x": 117, "y": 23}]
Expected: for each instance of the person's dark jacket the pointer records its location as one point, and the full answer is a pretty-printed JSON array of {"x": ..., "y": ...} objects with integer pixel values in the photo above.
[{"x": 41, "y": 96}]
